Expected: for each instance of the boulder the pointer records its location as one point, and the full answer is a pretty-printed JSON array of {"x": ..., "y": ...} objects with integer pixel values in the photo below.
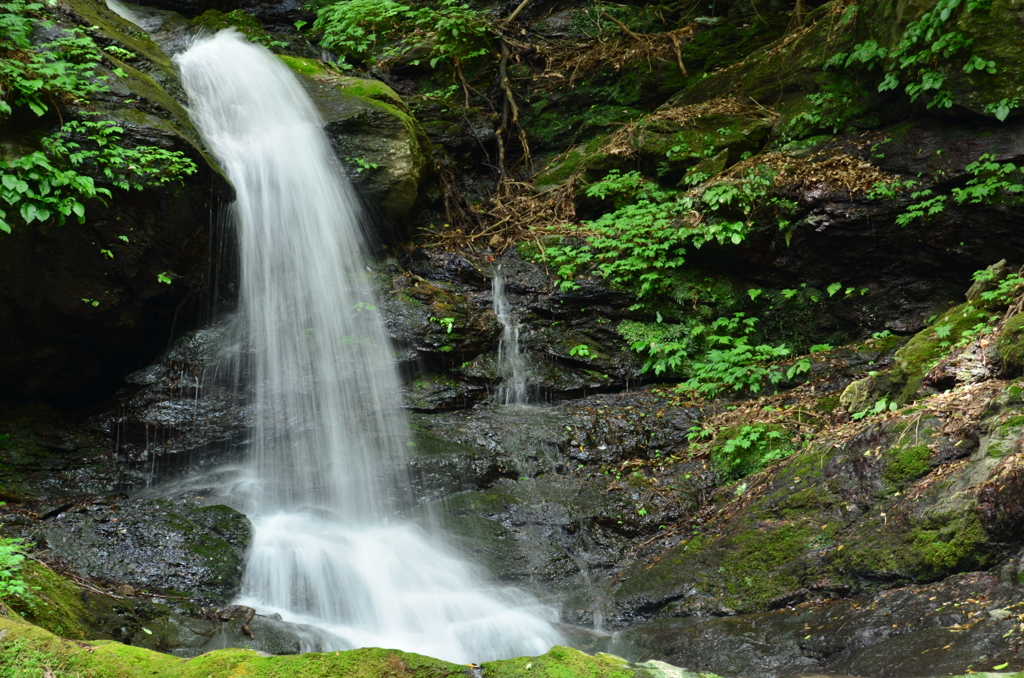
[{"x": 380, "y": 145}]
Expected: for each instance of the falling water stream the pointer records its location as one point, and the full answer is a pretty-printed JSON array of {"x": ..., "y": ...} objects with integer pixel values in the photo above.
[
  {"x": 511, "y": 362},
  {"x": 328, "y": 434}
]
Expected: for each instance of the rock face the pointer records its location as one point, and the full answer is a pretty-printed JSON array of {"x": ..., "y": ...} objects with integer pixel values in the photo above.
[
  {"x": 159, "y": 546},
  {"x": 382, "y": 147},
  {"x": 83, "y": 304},
  {"x": 856, "y": 637},
  {"x": 453, "y": 369}
]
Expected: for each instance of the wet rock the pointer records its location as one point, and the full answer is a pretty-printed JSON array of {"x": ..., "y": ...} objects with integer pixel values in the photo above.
[
  {"x": 45, "y": 454},
  {"x": 381, "y": 146},
  {"x": 1011, "y": 345},
  {"x": 150, "y": 545},
  {"x": 994, "y": 275},
  {"x": 182, "y": 413},
  {"x": 947, "y": 627},
  {"x": 445, "y": 369},
  {"x": 905, "y": 500}
]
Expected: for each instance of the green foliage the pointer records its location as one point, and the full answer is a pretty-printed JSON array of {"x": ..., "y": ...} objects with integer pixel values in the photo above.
[
  {"x": 1004, "y": 292},
  {"x": 11, "y": 558},
  {"x": 731, "y": 362},
  {"x": 47, "y": 184},
  {"x": 447, "y": 323},
  {"x": 926, "y": 47},
  {"x": 581, "y": 350},
  {"x": 881, "y": 406},
  {"x": 992, "y": 182},
  {"x": 719, "y": 357},
  {"x": 362, "y": 164},
  {"x": 64, "y": 68},
  {"x": 647, "y": 233},
  {"x": 365, "y": 29},
  {"x": 742, "y": 450},
  {"x": 828, "y": 111}
]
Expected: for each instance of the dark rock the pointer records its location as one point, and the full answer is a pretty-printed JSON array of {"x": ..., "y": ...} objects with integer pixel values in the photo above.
[
  {"x": 151, "y": 545},
  {"x": 76, "y": 319},
  {"x": 947, "y": 628},
  {"x": 382, "y": 147}
]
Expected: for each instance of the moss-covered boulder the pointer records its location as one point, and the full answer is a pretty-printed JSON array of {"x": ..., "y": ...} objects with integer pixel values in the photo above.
[
  {"x": 153, "y": 546},
  {"x": 874, "y": 505},
  {"x": 380, "y": 144},
  {"x": 1011, "y": 345},
  {"x": 27, "y": 649}
]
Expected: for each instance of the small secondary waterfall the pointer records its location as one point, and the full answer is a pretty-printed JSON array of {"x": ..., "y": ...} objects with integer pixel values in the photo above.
[
  {"x": 328, "y": 434},
  {"x": 511, "y": 362}
]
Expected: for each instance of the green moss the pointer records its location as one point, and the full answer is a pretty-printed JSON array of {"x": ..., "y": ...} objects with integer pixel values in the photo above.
[
  {"x": 25, "y": 650},
  {"x": 213, "y": 20},
  {"x": 828, "y": 404},
  {"x": 1011, "y": 344},
  {"x": 763, "y": 444},
  {"x": 562, "y": 662},
  {"x": 949, "y": 543},
  {"x": 310, "y": 67},
  {"x": 906, "y": 464},
  {"x": 55, "y": 604},
  {"x": 766, "y": 563}
]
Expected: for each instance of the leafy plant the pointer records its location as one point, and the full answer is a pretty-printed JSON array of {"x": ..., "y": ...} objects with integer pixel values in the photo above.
[
  {"x": 991, "y": 182},
  {"x": 647, "y": 233},
  {"x": 361, "y": 29},
  {"x": 11, "y": 557},
  {"x": 447, "y": 323},
  {"x": 747, "y": 449},
  {"x": 46, "y": 184},
  {"x": 581, "y": 350},
  {"x": 362, "y": 164},
  {"x": 881, "y": 406},
  {"x": 731, "y": 362},
  {"x": 926, "y": 47}
]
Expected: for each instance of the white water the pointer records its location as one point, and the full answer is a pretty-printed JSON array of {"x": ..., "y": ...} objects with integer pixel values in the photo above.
[
  {"x": 328, "y": 435},
  {"x": 511, "y": 362}
]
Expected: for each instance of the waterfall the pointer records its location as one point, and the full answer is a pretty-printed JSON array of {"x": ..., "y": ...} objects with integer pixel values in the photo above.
[
  {"x": 328, "y": 436},
  {"x": 511, "y": 363}
]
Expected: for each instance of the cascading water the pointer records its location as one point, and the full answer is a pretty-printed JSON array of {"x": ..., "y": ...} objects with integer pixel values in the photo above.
[
  {"x": 328, "y": 434},
  {"x": 511, "y": 362}
]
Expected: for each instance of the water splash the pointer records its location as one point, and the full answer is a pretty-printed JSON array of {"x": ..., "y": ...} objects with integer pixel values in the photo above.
[
  {"x": 328, "y": 435},
  {"x": 511, "y": 361}
]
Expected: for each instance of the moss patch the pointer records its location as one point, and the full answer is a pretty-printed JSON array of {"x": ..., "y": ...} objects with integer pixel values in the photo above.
[
  {"x": 26, "y": 650},
  {"x": 1011, "y": 344},
  {"x": 562, "y": 662},
  {"x": 55, "y": 605},
  {"x": 929, "y": 345},
  {"x": 906, "y": 464}
]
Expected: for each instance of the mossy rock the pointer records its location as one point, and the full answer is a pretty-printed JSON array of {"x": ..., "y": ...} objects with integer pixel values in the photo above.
[
  {"x": 1011, "y": 345},
  {"x": 766, "y": 442},
  {"x": 26, "y": 649},
  {"x": 929, "y": 345},
  {"x": 382, "y": 147}
]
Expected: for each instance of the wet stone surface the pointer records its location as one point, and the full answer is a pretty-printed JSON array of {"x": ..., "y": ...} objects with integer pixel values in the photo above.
[
  {"x": 156, "y": 546},
  {"x": 970, "y": 621}
]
